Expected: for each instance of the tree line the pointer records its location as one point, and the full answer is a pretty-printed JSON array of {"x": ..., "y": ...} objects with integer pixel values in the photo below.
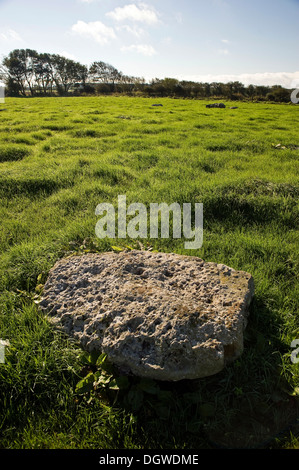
[{"x": 27, "y": 72}]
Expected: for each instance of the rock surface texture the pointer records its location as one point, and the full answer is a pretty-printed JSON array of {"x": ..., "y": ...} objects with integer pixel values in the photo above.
[{"x": 163, "y": 316}]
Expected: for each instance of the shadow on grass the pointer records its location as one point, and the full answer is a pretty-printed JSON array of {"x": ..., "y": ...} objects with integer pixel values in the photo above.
[
  {"x": 262, "y": 408},
  {"x": 247, "y": 405},
  {"x": 253, "y": 202}
]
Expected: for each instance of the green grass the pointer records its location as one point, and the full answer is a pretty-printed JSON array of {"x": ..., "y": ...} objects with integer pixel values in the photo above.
[{"x": 60, "y": 158}]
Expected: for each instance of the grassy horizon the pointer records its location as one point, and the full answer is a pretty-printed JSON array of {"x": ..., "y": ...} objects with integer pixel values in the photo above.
[{"x": 60, "y": 158}]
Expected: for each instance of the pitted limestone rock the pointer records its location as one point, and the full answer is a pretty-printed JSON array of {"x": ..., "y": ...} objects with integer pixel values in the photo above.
[{"x": 164, "y": 316}]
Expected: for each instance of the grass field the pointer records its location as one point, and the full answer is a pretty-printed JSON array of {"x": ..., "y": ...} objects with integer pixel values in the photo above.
[{"x": 60, "y": 158}]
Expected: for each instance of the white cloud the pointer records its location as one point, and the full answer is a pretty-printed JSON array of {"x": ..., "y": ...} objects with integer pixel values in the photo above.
[
  {"x": 286, "y": 79},
  {"x": 295, "y": 82},
  {"x": 143, "y": 49},
  {"x": 10, "y": 35},
  {"x": 225, "y": 41},
  {"x": 142, "y": 13},
  {"x": 134, "y": 30},
  {"x": 95, "y": 30}
]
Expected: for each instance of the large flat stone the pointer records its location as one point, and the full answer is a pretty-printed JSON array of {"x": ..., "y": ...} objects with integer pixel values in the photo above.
[{"x": 163, "y": 316}]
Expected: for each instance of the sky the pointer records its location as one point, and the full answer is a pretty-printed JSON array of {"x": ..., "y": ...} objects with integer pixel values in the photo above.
[{"x": 255, "y": 42}]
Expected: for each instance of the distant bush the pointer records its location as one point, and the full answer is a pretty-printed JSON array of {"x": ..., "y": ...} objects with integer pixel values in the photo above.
[
  {"x": 103, "y": 89},
  {"x": 279, "y": 94},
  {"x": 88, "y": 89},
  {"x": 68, "y": 77}
]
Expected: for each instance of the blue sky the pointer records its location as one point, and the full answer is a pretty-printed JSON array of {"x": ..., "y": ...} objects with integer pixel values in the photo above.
[{"x": 203, "y": 40}]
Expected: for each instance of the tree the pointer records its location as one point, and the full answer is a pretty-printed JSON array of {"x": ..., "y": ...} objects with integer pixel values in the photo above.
[
  {"x": 279, "y": 94},
  {"x": 18, "y": 68},
  {"x": 43, "y": 75},
  {"x": 12, "y": 87},
  {"x": 262, "y": 91},
  {"x": 11, "y": 74},
  {"x": 104, "y": 73},
  {"x": 26, "y": 71},
  {"x": 98, "y": 72},
  {"x": 82, "y": 73},
  {"x": 217, "y": 89},
  {"x": 250, "y": 92},
  {"x": 65, "y": 73},
  {"x": 170, "y": 85}
]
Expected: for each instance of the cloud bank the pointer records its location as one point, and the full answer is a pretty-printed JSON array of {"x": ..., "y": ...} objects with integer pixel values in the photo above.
[{"x": 285, "y": 79}]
